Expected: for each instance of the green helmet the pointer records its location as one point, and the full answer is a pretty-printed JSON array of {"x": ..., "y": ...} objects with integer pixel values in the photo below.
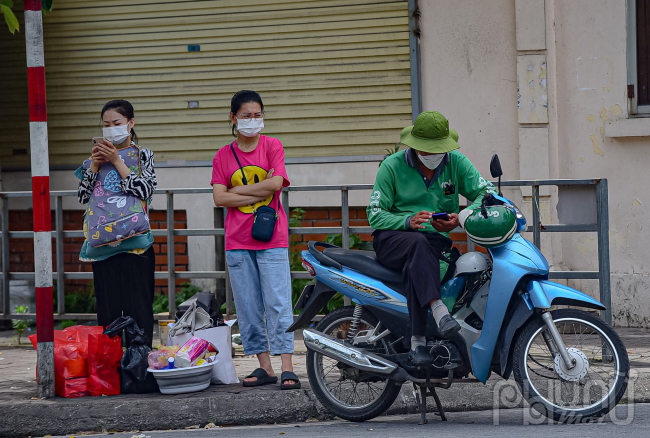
[{"x": 497, "y": 229}]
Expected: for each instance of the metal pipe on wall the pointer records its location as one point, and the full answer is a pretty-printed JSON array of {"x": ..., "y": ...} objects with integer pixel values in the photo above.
[{"x": 414, "y": 45}]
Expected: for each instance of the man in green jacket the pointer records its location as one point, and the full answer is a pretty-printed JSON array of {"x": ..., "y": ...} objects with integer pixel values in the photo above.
[{"x": 410, "y": 187}]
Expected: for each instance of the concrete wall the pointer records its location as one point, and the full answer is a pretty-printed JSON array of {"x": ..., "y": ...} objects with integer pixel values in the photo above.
[
  {"x": 470, "y": 52},
  {"x": 592, "y": 83}
]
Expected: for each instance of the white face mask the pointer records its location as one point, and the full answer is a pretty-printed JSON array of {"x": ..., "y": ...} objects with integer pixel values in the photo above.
[
  {"x": 431, "y": 161},
  {"x": 117, "y": 134},
  {"x": 251, "y": 127}
]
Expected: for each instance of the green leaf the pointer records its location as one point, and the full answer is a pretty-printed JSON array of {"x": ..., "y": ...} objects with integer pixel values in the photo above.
[
  {"x": 47, "y": 5},
  {"x": 10, "y": 18},
  {"x": 7, "y": 3}
]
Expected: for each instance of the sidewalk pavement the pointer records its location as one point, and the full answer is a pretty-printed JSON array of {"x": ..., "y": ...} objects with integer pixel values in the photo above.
[{"x": 25, "y": 415}]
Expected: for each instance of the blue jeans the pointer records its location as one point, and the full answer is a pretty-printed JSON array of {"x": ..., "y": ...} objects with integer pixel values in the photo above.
[{"x": 261, "y": 286}]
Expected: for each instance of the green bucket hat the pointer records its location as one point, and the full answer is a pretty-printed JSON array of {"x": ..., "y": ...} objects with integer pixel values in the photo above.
[{"x": 430, "y": 133}]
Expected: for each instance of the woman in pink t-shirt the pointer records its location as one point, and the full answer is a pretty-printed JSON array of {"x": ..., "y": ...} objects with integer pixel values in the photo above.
[{"x": 246, "y": 175}]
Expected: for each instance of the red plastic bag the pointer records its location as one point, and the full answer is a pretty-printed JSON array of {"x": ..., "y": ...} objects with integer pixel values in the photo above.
[
  {"x": 104, "y": 356},
  {"x": 72, "y": 387},
  {"x": 70, "y": 359}
]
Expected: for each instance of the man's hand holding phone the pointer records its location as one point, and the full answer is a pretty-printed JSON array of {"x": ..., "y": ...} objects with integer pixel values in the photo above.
[
  {"x": 442, "y": 225},
  {"x": 418, "y": 219}
]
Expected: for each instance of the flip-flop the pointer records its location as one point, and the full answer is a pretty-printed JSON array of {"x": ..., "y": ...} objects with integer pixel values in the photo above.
[
  {"x": 288, "y": 375},
  {"x": 263, "y": 378}
]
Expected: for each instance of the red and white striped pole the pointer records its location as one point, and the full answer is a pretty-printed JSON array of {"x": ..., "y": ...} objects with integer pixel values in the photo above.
[{"x": 41, "y": 197}]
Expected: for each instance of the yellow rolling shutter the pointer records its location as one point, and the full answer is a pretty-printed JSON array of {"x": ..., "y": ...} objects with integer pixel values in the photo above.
[{"x": 334, "y": 74}]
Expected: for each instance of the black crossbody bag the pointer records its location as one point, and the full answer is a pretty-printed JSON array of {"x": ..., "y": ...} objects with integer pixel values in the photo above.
[{"x": 264, "y": 216}]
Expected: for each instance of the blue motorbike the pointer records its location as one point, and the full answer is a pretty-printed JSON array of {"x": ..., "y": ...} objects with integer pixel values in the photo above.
[{"x": 568, "y": 363}]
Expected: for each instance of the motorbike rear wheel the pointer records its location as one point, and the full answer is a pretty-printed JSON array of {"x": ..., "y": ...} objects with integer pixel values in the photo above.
[
  {"x": 589, "y": 390},
  {"x": 349, "y": 396}
]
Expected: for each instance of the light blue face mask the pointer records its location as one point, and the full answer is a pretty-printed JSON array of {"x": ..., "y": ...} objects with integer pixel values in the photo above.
[{"x": 431, "y": 161}]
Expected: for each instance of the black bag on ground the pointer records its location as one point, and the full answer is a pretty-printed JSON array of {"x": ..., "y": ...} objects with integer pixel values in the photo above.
[
  {"x": 134, "y": 378},
  {"x": 206, "y": 301}
]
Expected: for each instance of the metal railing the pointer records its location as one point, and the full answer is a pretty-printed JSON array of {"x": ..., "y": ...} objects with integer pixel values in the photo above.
[{"x": 601, "y": 228}]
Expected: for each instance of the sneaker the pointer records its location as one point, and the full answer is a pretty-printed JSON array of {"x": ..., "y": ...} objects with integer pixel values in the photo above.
[
  {"x": 421, "y": 356},
  {"x": 448, "y": 326}
]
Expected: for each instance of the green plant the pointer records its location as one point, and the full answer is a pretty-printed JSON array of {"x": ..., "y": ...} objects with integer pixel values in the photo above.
[
  {"x": 355, "y": 241},
  {"x": 161, "y": 302},
  {"x": 67, "y": 323},
  {"x": 295, "y": 258},
  {"x": 79, "y": 301},
  {"x": 337, "y": 239},
  {"x": 295, "y": 217},
  {"x": 390, "y": 152},
  {"x": 10, "y": 17},
  {"x": 20, "y": 325}
]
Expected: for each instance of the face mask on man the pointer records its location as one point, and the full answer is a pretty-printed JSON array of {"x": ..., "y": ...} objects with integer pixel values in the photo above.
[
  {"x": 116, "y": 134},
  {"x": 431, "y": 161},
  {"x": 250, "y": 127}
]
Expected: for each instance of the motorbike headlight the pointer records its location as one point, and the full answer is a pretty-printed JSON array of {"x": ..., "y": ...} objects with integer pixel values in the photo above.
[{"x": 521, "y": 219}]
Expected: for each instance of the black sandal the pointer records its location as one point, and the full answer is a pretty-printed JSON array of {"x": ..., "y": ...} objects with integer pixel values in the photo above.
[
  {"x": 288, "y": 375},
  {"x": 263, "y": 378}
]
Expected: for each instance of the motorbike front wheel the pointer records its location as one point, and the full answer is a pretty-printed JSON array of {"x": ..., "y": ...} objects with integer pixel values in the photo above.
[
  {"x": 592, "y": 387},
  {"x": 348, "y": 393}
]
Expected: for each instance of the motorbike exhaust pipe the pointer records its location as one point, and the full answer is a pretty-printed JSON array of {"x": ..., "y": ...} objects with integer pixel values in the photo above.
[{"x": 354, "y": 357}]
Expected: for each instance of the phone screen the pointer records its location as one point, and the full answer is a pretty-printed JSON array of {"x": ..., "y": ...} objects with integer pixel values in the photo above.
[{"x": 443, "y": 216}]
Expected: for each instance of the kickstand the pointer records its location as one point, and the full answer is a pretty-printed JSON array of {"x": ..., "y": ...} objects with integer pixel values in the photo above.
[
  {"x": 423, "y": 405},
  {"x": 426, "y": 390},
  {"x": 441, "y": 411}
]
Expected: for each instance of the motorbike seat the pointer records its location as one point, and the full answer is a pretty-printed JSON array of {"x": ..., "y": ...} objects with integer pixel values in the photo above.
[{"x": 364, "y": 262}]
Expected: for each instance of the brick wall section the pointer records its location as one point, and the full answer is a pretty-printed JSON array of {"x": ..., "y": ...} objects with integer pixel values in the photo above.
[
  {"x": 21, "y": 251},
  {"x": 331, "y": 217},
  {"x": 158, "y": 220}
]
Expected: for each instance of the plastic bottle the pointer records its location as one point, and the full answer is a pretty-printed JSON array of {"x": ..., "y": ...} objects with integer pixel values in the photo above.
[{"x": 171, "y": 363}]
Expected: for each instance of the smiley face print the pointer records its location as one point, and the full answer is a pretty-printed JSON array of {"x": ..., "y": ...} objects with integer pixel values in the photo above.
[{"x": 254, "y": 174}]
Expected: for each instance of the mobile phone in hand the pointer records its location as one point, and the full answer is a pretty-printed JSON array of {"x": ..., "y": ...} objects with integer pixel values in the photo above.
[
  {"x": 95, "y": 139},
  {"x": 443, "y": 216}
]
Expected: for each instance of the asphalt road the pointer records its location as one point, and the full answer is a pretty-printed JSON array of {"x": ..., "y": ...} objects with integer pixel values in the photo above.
[{"x": 631, "y": 420}]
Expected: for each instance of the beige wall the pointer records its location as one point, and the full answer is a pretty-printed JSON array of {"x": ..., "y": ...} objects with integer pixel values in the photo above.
[{"x": 469, "y": 72}]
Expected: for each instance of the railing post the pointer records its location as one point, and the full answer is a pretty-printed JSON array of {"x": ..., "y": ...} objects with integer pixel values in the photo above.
[
  {"x": 171, "y": 262},
  {"x": 60, "y": 265},
  {"x": 285, "y": 201},
  {"x": 6, "y": 299},
  {"x": 537, "y": 238},
  {"x": 603, "y": 250},
  {"x": 229, "y": 309},
  {"x": 285, "y": 205},
  {"x": 345, "y": 224},
  {"x": 228, "y": 293}
]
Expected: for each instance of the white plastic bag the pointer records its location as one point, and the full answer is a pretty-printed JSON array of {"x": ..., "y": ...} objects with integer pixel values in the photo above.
[{"x": 223, "y": 372}]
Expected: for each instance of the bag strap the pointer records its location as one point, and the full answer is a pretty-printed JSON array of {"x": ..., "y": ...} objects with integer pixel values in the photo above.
[
  {"x": 245, "y": 181},
  {"x": 193, "y": 317},
  {"x": 243, "y": 175}
]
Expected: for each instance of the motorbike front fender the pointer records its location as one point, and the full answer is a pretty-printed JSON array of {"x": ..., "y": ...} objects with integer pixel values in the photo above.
[
  {"x": 543, "y": 293},
  {"x": 313, "y": 300}
]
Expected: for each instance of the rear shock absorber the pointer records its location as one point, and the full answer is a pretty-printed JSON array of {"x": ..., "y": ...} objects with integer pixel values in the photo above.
[{"x": 356, "y": 322}]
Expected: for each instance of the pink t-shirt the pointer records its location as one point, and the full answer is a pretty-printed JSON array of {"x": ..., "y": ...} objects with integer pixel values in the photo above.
[{"x": 268, "y": 155}]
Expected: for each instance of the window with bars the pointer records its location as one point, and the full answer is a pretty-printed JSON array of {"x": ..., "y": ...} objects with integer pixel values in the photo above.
[{"x": 638, "y": 56}]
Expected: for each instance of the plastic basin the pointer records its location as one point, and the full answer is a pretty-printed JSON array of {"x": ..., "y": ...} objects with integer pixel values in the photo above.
[{"x": 183, "y": 380}]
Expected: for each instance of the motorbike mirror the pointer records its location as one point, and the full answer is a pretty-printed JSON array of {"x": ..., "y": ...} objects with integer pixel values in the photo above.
[
  {"x": 495, "y": 170},
  {"x": 495, "y": 167}
]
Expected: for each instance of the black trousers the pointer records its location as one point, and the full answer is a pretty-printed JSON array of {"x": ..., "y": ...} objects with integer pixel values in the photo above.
[
  {"x": 417, "y": 256},
  {"x": 124, "y": 286}
]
